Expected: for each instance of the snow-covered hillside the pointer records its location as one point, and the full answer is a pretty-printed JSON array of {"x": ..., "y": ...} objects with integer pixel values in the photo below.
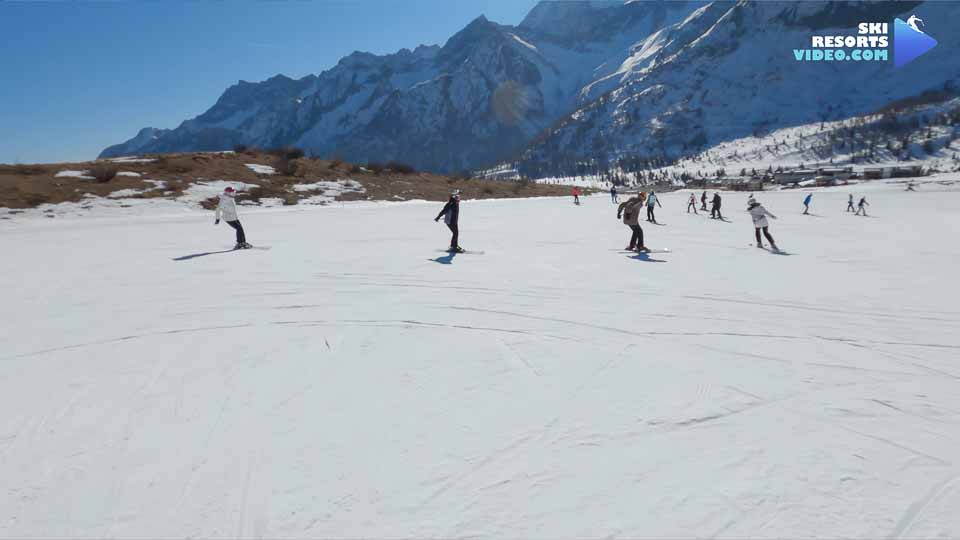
[
  {"x": 920, "y": 135},
  {"x": 727, "y": 71},
  {"x": 924, "y": 136},
  {"x": 354, "y": 381}
]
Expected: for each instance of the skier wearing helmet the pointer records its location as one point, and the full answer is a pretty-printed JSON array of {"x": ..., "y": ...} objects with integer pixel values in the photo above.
[
  {"x": 227, "y": 208},
  {"x": 451, "y": 216},
  {"x": 759, "y": 215}
]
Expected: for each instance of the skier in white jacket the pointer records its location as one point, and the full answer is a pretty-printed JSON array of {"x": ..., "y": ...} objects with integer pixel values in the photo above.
[
  {"x": 228, "y": 210},
  {"x": 759, "y": 215}
]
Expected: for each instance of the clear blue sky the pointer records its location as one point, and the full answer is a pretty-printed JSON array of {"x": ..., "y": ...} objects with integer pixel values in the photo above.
[{"x": 76, "y": 77}]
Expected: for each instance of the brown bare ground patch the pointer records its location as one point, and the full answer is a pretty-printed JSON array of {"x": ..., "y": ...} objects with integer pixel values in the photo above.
[{"x": 28, "y": 186}]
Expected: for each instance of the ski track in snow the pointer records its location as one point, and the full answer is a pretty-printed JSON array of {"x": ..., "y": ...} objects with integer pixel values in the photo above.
[{"x": 340, "y": 385}]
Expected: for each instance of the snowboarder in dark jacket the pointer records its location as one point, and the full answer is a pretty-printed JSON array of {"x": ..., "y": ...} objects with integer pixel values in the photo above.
[
  {"x": 715, "y": 210},
  {"x": 862, "y": 206},
  {"x": 451, "y": 216}
]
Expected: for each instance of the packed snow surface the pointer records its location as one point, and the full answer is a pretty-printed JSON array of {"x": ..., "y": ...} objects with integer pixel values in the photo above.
[
  {"x": 261, "y": 169},
  {"x": 356, "y": 381},
  {"x": 74, "y": 174},
  {"x": 131, "y": 160}
]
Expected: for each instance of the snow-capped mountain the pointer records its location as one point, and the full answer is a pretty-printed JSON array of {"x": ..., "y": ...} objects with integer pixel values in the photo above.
[
  {"x": 593, "y": 80},
  {"x": 727, "y": 71},
  {"x": 479, "y": 98}
]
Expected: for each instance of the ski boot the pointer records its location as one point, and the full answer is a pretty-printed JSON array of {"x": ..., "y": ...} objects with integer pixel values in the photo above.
[{"x": 759, "y": 244}]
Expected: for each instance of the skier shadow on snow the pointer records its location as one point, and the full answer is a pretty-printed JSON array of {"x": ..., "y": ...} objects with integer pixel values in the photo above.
[
  {"x": 645, "y": 257},
  {"x": 204, "y": 254},
  {"x": 446, "y": 259}
]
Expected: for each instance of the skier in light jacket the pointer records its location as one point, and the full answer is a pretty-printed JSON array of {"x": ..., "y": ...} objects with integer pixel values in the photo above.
[
  {"x": 629, "y": 210},
  {"x": 451, "y": 216},
  {"x": 759, "y": 215},
  {"x": 652, "y": 201},
  {"x": 692, "y": 204},
  {"x": 850, "y": 207},
  {"x": 227, "y": 209}
]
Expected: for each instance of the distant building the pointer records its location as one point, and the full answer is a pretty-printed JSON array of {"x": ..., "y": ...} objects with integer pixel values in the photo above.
[
  {"x": 794, "y": 176},
  {"x": 837, "y": 173},
  {"x": 752, "y": 184},
  {"x": 905, "y": 171}
]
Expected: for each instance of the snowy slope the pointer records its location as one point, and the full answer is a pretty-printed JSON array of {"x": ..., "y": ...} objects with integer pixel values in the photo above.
[{"x": 364, "y": 384}]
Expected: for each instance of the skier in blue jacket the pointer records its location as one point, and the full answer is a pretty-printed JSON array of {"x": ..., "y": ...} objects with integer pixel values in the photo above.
[{"x": 806, "y": 203}]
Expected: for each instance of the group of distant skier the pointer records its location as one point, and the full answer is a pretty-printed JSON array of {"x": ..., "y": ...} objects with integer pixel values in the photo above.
[
  {"x": 861, "y": 208},
  {"x": 627, "y": 211},
  {"x": 715, "y": 204}
]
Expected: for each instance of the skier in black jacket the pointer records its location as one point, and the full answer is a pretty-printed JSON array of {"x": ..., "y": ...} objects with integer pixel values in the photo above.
[
  {"x": 715, "y": 210},
  {"x": 451, "y": 216}
]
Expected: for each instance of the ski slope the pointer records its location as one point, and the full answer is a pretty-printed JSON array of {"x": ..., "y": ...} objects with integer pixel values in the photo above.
[{"x": 354, "y": 381}]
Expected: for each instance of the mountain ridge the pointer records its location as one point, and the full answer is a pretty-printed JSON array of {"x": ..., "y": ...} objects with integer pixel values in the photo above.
[
  {"x": 572, "y": 81},
  {"x": 478, "y": 98}
]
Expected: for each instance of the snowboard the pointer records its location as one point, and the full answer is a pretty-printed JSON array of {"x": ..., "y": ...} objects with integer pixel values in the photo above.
[
  {"x": 464, "y": 252},
  {"x": 769, "y": 249},
  {"x": 650, "y": 250}
]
